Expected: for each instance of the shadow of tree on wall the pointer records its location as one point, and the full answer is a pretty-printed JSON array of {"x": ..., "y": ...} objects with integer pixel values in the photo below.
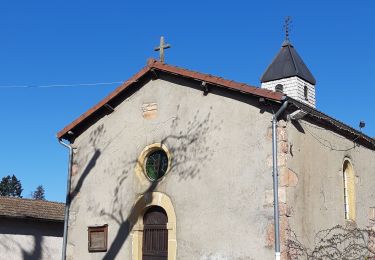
[
  {"x": 36, "y": 254},
  {"x": 336, "y": 243},
  {"x": 93, "y": 142},
  {"x": 29, "y": 239},
  {"x": 126, "y": 224},
  {"x": 95, "y": 139},
  {"x": 188, "y": 144},
  {"x": 90, "y": 165}
]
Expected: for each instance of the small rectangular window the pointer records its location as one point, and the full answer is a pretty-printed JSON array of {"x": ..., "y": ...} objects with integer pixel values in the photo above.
[
  {"x": 97, "y": 237},
  {"x": 306, "y": 93}
]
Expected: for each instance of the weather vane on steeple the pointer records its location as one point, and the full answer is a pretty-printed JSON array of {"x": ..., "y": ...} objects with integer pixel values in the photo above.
[
  {"x": 161, "y": 49},
  {"x": 287, "y": 27}
]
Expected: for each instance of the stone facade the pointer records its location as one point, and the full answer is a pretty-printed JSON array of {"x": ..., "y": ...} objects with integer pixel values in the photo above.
[
  {"x": 218, "y": 191},
  {"x": 217, "y": 180},
  {"x": 317, "y": 157}
]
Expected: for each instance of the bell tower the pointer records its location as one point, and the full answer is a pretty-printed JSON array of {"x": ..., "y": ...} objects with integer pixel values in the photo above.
[{"x": 288, "y": 74}]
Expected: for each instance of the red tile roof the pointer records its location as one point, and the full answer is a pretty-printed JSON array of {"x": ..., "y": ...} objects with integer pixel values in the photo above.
[
  {"x": 153, "y": 65},
  {"x": 11, "y": 207}
]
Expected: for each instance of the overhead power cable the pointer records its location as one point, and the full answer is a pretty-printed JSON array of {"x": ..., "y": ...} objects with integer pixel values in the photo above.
[{"x": 62, "y": 85}]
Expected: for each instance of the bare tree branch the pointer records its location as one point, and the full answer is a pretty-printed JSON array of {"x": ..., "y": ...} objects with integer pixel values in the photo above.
[{"x": 338, "y": 242}]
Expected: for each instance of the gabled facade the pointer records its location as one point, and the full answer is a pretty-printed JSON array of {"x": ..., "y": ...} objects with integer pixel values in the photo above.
[{"x": 185, "y": 159}]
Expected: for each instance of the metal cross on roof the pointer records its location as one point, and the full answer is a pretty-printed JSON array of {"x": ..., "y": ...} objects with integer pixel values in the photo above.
[
  {"x": 161, "y": 48},
  {"x": 287, "y": 27}
]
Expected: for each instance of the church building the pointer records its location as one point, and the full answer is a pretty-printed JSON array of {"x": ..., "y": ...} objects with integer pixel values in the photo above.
[{"x": 178, "y": 164}]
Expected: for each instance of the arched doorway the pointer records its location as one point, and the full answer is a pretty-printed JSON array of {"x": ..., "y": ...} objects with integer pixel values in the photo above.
[
  {"x": 155, "y": 234},
  {"x": 140, "y": 208}
]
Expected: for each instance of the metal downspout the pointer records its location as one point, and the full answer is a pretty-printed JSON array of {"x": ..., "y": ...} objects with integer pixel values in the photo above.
[
  {"x": 67, "y": 199},
  {"x": 275, "y": 178}
]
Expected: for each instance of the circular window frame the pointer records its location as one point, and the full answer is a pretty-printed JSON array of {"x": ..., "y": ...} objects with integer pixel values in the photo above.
[
  {"x": 142, "y": 159},
  {"x": 148, "y": 174}
]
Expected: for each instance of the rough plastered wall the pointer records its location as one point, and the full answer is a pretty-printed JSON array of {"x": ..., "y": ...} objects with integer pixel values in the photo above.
[
  {"x": 219, "y": 184},
  {"x": 22, "y": 239},
  {"x": 315, "y": 197}
]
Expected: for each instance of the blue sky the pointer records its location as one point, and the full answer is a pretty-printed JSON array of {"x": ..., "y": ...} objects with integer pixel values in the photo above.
[{"x": 64, "y": 42}]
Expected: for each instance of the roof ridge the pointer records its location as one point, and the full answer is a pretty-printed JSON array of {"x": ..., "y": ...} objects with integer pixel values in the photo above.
[
  {"x": 291, "y": 55},
  {"x": 202, "y": 73},
  {"x": 30, "y": 199}
]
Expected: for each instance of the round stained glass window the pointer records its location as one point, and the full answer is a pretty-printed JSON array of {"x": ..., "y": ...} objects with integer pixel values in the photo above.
[{"x": 156, "y": 165}]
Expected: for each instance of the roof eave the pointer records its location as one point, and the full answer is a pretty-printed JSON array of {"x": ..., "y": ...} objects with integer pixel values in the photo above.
[
  {"x": 24, "y": 217},
  {"x": 339, "y": 127},
  {"x": 313, "y": 81},
  {"x": 64, "y": 133},
  {"x": 155, "y": 65}
]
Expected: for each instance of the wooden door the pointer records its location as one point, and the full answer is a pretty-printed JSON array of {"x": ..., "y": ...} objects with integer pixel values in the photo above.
[{"x": 155, "y": 234}]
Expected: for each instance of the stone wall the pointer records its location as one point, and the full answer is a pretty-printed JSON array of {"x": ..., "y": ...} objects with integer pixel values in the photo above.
[
  {"x": 288, "y": 180},
  {"x": 220, "y": 178},
  {"x": 217, "y": 182},
  {"x": 311, "y": 191},
  {"x": 316, "y": 157}
]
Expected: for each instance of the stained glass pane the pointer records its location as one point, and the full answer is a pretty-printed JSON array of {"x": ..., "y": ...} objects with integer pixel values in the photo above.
[{"x": 156, "y": 165}]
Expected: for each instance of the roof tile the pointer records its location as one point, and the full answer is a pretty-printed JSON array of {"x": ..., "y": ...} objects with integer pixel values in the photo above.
[
  {"x": 153, "y": 64},
  {"x": 28, "y": 208}
]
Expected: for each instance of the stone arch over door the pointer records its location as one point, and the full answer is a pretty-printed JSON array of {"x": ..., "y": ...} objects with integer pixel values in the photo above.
[{"x": 144, "y": 203}]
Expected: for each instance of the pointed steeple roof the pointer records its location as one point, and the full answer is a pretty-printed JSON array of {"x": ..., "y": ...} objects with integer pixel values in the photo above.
[{"x": 287, "y": 63}]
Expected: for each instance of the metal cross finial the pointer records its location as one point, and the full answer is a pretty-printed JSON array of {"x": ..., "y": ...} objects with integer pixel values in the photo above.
[
  {"x": 287, "y": 25},
  {"x": 161, "y": 48}
]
